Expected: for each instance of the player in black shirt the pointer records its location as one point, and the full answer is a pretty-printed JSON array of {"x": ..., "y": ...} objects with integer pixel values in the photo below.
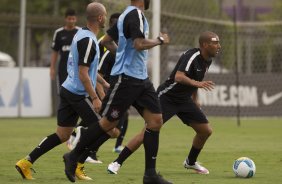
[
  {"x": 61, "y": 46},
  {"x": 178, "y": 96}
]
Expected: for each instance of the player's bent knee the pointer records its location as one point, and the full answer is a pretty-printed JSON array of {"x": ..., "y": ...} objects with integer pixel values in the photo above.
[
  {"x": 64, "y": 133},
  {"x": 64, "y": 136},
  {"x": 114, "y": 133}
]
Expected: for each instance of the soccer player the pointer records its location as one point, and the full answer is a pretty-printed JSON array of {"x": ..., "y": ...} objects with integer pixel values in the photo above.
[
  {"x": 61, "y": 47},
  {"x": 105, "y": 67},
  {"x": 178, "y": 96},
  {"x": 130, "y": 85},
  {"x": 78, "y": 97}
]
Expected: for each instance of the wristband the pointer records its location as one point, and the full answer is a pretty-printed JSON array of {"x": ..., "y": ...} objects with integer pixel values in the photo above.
[{"x": 161, "y": 39}]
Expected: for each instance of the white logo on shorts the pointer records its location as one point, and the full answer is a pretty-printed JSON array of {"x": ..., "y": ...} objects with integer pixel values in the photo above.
[{"x": 115, "y": 113}]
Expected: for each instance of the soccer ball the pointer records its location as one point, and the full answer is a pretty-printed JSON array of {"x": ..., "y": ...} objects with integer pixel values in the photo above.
[{"x": 244, "y": 167}]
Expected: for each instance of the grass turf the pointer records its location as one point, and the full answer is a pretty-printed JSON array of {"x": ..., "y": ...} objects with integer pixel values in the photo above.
[{"x": 259, "y": 139}]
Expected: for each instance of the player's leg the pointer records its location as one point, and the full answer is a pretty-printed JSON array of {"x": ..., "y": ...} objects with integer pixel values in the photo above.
[
  {"x": 197, "y": 120},
  {"x": 151, "y": 113},
  {"x": 113, "y": 133},
  {"x": 123, "y": 123},
  {"x": 168, "y": 111},
  {"x": 67, "y": 119},
  {"x": 151, "y": 140},
  {"x": 151, "y": 145},
  {"x": 115, "y": 103},
  {"x": 131, "y": 147}
]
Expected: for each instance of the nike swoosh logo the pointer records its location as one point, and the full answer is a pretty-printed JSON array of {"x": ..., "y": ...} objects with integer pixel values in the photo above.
[{"x": 268, "y": 100}]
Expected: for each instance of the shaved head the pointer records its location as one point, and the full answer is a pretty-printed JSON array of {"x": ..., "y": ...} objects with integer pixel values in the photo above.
[
  {"x": 207, "y": 37},
  {"x": 94, "y": 10}
]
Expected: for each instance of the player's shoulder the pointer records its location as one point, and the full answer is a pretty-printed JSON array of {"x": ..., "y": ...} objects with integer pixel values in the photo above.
[
  {"x": 135, "y": 13},
  {"x": 190, "y": 54},
  {"x": 193, "y": 51},
  {"x": 59, "y": 30}
]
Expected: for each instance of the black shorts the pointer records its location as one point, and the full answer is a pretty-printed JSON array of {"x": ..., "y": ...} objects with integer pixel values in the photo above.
[
  {"x": 72, "y": 107},
  {"x": 187, "y": 111},
  {"x": 126, "y": 91}
]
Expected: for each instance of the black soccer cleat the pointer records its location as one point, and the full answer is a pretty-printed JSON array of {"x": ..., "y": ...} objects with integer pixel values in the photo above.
[
  {"x": 70, "y": 167},
  {"x": 155, "y": 179}
]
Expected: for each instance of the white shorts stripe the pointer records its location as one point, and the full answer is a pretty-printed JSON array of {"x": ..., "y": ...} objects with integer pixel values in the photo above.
[
  {"x": 112, "y": 96},
  {"x": 92, "y": 107}
]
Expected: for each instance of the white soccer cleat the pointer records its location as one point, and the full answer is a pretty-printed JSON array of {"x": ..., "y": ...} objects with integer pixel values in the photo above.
[
  {"x": 113, "y": 168},
  {"x": 197, "y": 168},
  {"x": 69, "y": 142},
  {"x": 93, "y": 161},
  {"x": 77, "y": 137}
]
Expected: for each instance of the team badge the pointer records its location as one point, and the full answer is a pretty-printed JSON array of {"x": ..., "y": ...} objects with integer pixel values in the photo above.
[{"x": 115, "y": 113}]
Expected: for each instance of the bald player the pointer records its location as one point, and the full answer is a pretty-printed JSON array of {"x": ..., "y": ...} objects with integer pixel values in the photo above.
[
  {"x": 178, "y": 96},
  {"x": 78, "y": 97}
]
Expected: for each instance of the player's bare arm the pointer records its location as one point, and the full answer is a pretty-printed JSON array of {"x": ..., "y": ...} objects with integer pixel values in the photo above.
[
  {"x": 102, "y": 81},
  {"x": 100, "y": 90},
  {"x": 144, "y": 44},
  {"x": 86, "y": 81},
  {"x": 109, "y": 43},
  {"x": 180, "y": 77},
  {"x": 54, "y": 58},
  {"x": 195, "y": 98}
]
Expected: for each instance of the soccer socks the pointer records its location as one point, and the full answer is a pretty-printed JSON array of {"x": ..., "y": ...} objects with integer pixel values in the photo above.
[
  {"x": 124, "y": 154},
  {"x": 94, "y": 147},
  {"x": 122, "y": 133},
  {"x": 151, "y": 146},
  {"x": 44, "y": 146},
  {"x": 91, "y": 135},
  {"x": 193, "y": 155}
]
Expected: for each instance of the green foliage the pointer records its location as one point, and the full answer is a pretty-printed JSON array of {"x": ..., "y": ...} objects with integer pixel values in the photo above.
[
  {"x": 9, "y": 6},
  {"x": 259, "y": 139}
]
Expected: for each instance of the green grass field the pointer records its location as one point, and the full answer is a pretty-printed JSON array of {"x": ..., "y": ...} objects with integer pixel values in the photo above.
[{"x": 259, "y": 139}]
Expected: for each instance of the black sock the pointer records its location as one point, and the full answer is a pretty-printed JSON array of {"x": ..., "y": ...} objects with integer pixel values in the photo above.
[
  {"x": 122, "y": 133},
  {"x": 124, "y": 154},
  {"x": 93, "y": 148},
  {"x": 193, "y": 155},
  {"x": 44, "y": 146},
  {"x": 151, "y": 146},
  {"x": 90, "y": 135}
]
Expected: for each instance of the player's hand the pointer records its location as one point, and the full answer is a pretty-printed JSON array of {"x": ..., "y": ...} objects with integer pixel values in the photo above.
[
  {"x": 166, "y": 38},
  {"x": 97, "y": 104},
  {"x": 106, "y": 85},
  {"x": 206, "y": 85}
]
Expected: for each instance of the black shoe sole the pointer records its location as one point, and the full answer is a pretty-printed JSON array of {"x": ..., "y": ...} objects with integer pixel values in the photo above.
[
  {"x": 69, "y": 175},
  {"x": 20, "y": 171}
]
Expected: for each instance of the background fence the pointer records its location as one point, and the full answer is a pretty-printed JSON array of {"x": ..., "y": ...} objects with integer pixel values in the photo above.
[{"x": 250, "y": 34}]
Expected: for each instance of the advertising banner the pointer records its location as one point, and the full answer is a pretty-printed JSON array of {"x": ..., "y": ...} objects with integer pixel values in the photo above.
[
  {"x": 257, "y": 95},
  {"x": 36, "y": 92}
]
